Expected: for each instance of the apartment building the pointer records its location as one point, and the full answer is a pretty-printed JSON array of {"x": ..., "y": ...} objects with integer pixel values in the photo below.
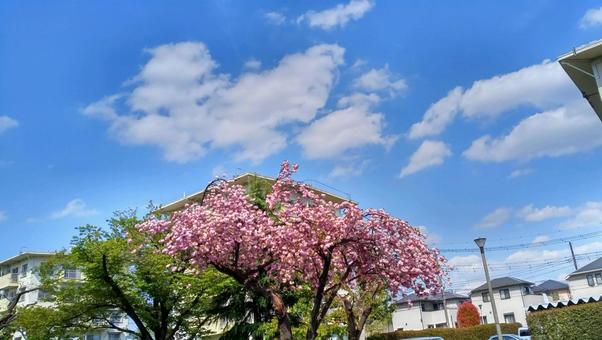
[
  {"x": 586, "y": 281},
  {"x": 512, "y": 297},
  {"x": 414, "y": 312},
  {"x": 19, "y": 272}
]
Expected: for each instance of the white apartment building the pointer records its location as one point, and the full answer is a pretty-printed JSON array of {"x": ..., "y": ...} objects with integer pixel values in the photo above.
[
  {"x": 415, "y": 312},
  {"x": 554, "y": 291},
  {"x": 586, "y": 281},
  {"x": 512, "y": 298},
  {"x": 18, "y": 272}
]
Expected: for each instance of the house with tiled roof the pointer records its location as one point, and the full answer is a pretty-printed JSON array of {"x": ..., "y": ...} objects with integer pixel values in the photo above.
[
  {"x": 512, "y": 298},
  {"x": 586, "y": 281},
  {"x": 553, "y": 290},
  {"x": 415, "y": 312}
]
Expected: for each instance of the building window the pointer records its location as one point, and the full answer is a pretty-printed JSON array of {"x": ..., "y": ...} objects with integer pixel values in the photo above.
[
  {"x": 599, "y": 278},
  {"x": 71, "y": 273},
  {"x": 485, "y": 296},
  {"x": 423, "y": 307},
  {"x": 509, "y": 318},
  {"x": 527, "y": 290},
  {"x": 504, "y": 294},
  {"x": 484, "y": 320},
  {"x": 92, "y": 337},
  {"x": 590, "y": 280},
  {"x": 24, "y": 270},
  {"x": 555, "y": 296},
  {"x": 114, "y": 336},
  {"x": 436, "y": 306}
]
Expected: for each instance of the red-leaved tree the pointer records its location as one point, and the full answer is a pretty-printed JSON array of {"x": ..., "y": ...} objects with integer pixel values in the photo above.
[
  {"x": 468, "y": 315},
  {"x": 299, "y": 238}
]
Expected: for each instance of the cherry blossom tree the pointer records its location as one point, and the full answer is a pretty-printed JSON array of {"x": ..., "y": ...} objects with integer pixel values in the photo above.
[{"x": 298, "y": 238}]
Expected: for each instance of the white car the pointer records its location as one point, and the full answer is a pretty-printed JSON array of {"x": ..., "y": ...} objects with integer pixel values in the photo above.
[
  {"x": 524, "y": 333},
  {"x": 506, "y": 337}
]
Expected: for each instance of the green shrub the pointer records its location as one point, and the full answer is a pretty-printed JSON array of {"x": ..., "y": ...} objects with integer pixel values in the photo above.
[
  {"x": 480, "y": 332},
  {"x": 582, "y": 322}
]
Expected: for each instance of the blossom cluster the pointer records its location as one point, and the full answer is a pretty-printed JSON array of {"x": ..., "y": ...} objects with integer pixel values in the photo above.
[{"x": 302, "y": 237}]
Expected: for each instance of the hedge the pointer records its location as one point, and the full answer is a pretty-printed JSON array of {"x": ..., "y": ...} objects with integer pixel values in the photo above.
[
  {"x": 480, "y": 332},
  {"x": 582, "y": 322}
]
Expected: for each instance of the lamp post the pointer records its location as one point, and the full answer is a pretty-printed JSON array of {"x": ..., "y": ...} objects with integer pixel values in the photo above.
[{"x": 481, "y": 244}]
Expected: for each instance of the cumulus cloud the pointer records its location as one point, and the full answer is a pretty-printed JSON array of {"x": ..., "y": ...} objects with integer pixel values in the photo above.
[
  {"x": 588, "y": 215},
  {"x": 253, "y": 64},
  {"x": 275, "y": 18},
  {"x": 349, "y": 169},
  {"x": 74, "y": 208},
  {"x": 7, "y": 123},
  {"x": 337, "y": 16},
  {"x": 438, "y": 116},
  {"x": 563, "y": 123},
  {"x": 541, "y": 238},
  {"x": 531, "y": 214},
  {"x": 179, "y": 103},
  {"x": 353, "y": 125},
  {"x": 378, "y": 80},
  {"x": 430, "y": 153},
  {"x": 591, "y": 18},
  {"x": 521, "y": 172},
  {"x": 562, "y": 131},
  {"x": 495, "y": 218}
]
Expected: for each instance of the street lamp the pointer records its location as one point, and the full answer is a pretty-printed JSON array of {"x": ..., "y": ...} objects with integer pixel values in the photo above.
[{"x": 481, "y": 244}]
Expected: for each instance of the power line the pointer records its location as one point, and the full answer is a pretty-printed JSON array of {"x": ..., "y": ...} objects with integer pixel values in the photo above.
[{"x": 526, "y": 245}]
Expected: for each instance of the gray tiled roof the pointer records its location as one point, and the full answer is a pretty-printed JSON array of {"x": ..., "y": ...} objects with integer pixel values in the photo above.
[
  {"x": 596, "y": 265},
  {"x": 549, "y": 285},
  {"x": 436, "y": 297},
  {"x": 505, "y": 281}
]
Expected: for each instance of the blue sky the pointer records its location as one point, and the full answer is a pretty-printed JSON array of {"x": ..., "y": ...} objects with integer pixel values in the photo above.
[{"x": 453, "y": 116}]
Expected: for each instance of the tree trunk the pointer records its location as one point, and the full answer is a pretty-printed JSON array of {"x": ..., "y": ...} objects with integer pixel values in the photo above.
[
  {"x": 353, "y": 333},
  {"x": 284, "y": 323}
]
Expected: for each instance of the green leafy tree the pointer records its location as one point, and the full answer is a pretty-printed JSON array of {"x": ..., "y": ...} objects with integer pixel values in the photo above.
[{"x": 161, "y": 297}]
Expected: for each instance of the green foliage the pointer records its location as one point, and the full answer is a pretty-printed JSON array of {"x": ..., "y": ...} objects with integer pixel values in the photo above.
[
  {"x": 579, "y": 321},
  {"x": 481, "y": 332},
  {"x": 125, "y": 277}
]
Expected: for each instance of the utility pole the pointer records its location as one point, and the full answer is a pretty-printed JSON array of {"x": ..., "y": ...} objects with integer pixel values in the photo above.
[
  {"x": 573, "y": 256},
  {"x": 443, "y": 295}
]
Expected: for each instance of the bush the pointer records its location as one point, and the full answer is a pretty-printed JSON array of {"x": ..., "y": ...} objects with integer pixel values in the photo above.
[
  {"x": 580, "y": 321},
  {"x": 468, "y": 315},
  {"x": 480, "y": 332}
]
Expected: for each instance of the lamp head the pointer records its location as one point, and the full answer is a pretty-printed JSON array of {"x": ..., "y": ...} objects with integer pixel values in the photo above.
[{"x": 480, "y": 242}]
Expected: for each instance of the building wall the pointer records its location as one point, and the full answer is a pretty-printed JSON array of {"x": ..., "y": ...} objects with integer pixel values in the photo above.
[
  {"x": 517, "y": 304},
  {"x": 414, "y": 318},
  {"x": 580, "y": 288}
]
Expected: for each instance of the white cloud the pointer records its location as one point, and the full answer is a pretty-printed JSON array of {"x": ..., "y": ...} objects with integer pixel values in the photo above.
[
  {"x": 430, "y": 153},
  {"x": 541, "y": 238},
  {"x": 521, "y": 172},
  {"x": 563, "y": 125},
  {"x": 495, "y": 218},
  {"x": 465, "y": 260},
  {"x": 7, "y": 123},
  {"x": 219, "y": 172},
  {"x": 349, "y": 169},
  {"x": 180, "y": 104},
  {"x": 438, "y": 116},
  {"x": 74, "y": 208},
  {"x": 3, "y": 216},
  {"x": 531, "y": 214},
  {"x": 353, "y": 125},
  {"x": 588, "y": 215},
  {"x": 339, "y": 15},
  {"x": 379, "y": 79},
  {"x": 562, "y": 131},
  {"x": 431, "y": 238},
  {"x": 591, "y": 18},
  {"x": 252, "y": 64},
  {"x": 275, "y": 18},
  {"x": 540, "y": 255}
]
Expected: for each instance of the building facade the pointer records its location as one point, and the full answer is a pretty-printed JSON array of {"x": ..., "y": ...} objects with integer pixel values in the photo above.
[
  {"x": 414, "y": 312},
  {"x": 553, "y": 291},
  {"x": 512, "y": 298},
  {"x": 19, "y": 272},
  {"x": 586, "y": 281}
]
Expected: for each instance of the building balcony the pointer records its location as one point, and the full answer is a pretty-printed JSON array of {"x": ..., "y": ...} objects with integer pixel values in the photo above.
[{"x": 10, "y": 280}]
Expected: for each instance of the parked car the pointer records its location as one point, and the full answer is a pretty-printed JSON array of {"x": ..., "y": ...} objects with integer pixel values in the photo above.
[
  {"x": 506, "y": 337},
  {"x": 524, "y": 333}
]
